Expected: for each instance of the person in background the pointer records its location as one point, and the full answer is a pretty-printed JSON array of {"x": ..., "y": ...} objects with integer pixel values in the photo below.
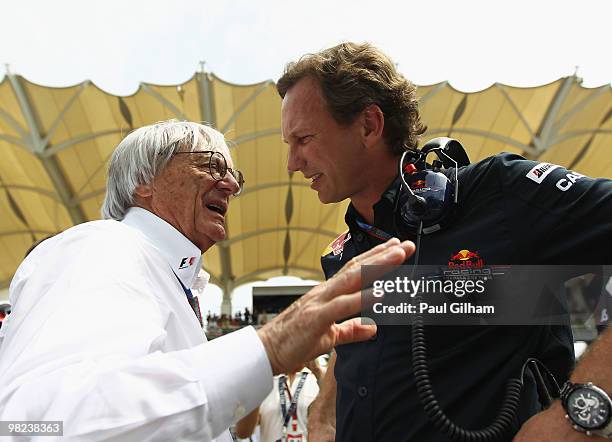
[{"x": 283, "y": 415}]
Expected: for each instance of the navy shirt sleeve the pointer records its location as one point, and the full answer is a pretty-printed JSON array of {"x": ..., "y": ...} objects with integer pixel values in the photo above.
[{"x": 556, "y": 215}]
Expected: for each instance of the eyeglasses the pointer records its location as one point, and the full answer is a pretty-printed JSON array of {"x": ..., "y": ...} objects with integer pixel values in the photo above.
[{"x": 217, "y": 167}]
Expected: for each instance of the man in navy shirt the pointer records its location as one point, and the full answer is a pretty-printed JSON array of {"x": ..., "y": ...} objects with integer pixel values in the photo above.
[{"x": 347, "y": 116}]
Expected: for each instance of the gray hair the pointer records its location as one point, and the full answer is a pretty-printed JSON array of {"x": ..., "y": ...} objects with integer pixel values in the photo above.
[{"x": 144, "y": 153}]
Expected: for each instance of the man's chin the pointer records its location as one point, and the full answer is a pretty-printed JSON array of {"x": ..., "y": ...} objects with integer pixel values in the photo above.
[
  {"x": 207, "y": 241},
  {"x": 327, "y": 198}
]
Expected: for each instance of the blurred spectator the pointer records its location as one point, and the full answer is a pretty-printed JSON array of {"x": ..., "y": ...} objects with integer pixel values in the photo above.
[{"x": 283, "y": 415}]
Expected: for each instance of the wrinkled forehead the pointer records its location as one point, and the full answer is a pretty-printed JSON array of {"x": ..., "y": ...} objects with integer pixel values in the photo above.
[{"x": 205, "y": 141}]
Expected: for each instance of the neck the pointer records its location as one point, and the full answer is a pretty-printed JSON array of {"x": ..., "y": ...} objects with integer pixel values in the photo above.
[
  {"x": 291, "y": 377},
  {"x": 364, "y": 201}
]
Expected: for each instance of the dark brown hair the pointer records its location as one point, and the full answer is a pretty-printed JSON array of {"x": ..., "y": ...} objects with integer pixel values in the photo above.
[{"x": 354, "y": 76}]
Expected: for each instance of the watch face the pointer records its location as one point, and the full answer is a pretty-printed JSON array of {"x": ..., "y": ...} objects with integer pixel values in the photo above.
[{"x": 588, "y": 408}]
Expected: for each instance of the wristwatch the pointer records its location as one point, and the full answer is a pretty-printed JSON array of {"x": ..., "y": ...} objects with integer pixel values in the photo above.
[{"x": 588, "y": 408}]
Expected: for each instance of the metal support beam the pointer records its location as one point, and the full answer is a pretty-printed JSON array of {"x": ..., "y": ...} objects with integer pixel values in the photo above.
[
  {"x": 50, "y": 164},
  {"x": 483, "y": 133},
  {"x": 579, "y": 133},
  {"x": 51, "y": 151},
  {"x": 246, "y": 104},
  {"x": 102, "y": 166},
  {"x": 502, "y": 89},
  {"x": 164, "y": 101},
  {"x": 13, "y": 123},
  {"x": 226, "y": 303},
  {"x": 547, "y": 130},
  {"x": 248, "y": 137},
  {"x": 44, "y": 192},
  {"x": 207, "y": 104},
  {"x": 207, "y": 109},
  {"x": 15, "y": 141},
  {"x": 64, "y": 111},
  {"x": 578, "y": 107}
]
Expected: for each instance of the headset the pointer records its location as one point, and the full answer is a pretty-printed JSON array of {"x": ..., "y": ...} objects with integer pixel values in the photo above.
[
  {"x": 429, "y": 195},
  {"x": 423, "y": 205}
]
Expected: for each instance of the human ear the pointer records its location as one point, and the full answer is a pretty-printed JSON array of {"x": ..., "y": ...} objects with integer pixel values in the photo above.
[
  {"x": 144, "y": 190},
  {"x": 373, "y": 121}
]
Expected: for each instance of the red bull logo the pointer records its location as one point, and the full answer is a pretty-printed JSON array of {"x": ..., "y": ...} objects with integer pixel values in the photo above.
[
  {"x": 338, "y": 245},
  {"x": 418, "y": 184},
  {"x": 465, "y": 258}
]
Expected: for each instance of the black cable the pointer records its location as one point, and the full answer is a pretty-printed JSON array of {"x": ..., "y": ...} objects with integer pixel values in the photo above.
[{"x": 435, "y": 414}]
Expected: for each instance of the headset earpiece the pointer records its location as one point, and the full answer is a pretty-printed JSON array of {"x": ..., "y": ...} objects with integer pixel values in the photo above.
[{"x": 427, "y": 195}]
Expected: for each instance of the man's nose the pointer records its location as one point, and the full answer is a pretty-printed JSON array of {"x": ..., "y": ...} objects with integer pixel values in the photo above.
[
  {"x": 295, "y": 161},
  {"x": 229, "y": 184}
]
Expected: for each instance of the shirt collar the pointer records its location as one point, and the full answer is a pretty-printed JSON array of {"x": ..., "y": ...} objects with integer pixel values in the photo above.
[
  {"x": 184, "y": 257},
  {"x": 383, "y": 210}
]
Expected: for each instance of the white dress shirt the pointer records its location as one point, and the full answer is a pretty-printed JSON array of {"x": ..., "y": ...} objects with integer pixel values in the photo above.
[
  {"x": 270, "y": 416},
  {"x": 101, "y": 337}
]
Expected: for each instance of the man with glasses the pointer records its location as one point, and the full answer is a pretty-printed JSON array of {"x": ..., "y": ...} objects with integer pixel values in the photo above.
[{"x": 144, "y": 373}]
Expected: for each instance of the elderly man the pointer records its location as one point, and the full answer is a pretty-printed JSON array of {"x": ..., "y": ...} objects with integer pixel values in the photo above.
[{"x": 143, "y": 371}]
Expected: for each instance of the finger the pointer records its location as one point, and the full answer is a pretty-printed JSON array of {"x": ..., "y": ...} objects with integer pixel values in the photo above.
[
  {"x": 350, "y": 280},
  {"x": 354, "y": 331},
  {"x": 373, "y": 251},
  {"x": 340, "y": 308}
]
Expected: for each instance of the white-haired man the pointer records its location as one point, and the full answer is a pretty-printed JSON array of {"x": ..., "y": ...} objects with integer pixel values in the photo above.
[{"x": 144, "y": 372}]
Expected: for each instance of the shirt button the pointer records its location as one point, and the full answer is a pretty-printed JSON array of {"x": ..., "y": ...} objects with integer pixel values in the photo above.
[
  {"x": 359, "y": 236},
  {"x": 362, "y": 391}
]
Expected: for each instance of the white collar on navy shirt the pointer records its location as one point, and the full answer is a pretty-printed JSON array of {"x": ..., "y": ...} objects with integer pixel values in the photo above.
[{"x": 184, "y": 257}]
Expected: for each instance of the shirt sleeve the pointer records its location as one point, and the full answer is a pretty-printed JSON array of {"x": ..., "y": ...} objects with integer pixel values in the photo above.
[
  {"x": 559, "y": 216},
  {"x": 86, "y": 346}
]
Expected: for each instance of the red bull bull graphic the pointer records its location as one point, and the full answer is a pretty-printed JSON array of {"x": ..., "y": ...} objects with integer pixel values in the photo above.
[
  {"x": 466, "y": 259},
  {"x": 418, "y": 184}
]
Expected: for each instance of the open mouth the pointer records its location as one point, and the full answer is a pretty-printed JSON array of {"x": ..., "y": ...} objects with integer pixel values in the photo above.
[
  {"x": 217, "y": 208},
  {"x": 315, "y": 177}
]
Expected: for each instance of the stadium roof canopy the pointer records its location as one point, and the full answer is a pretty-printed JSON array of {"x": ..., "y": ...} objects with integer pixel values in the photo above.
[{"x": 55, "y": 144}]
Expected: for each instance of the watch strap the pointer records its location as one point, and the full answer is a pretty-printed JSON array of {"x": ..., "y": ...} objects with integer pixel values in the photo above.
[{"x": 567, "y": 389}]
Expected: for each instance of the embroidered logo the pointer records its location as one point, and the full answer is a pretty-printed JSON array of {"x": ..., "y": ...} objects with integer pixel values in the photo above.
[
  {"x": 466, "y": 259},
  {"x": 338, "y": 245},
  {"x": 540, "y": 171},
  {"x": 187, "y": 262}
]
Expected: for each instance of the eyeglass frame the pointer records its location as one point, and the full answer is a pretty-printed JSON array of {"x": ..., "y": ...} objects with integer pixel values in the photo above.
[{"x": 239, "y": 180}]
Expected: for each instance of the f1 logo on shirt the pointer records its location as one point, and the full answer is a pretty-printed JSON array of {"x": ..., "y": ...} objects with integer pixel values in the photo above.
[{"x": 187, "y": 262}]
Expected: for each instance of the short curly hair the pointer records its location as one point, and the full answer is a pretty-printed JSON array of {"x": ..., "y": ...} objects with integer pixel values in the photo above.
[{"x": 354, "y": 76}]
